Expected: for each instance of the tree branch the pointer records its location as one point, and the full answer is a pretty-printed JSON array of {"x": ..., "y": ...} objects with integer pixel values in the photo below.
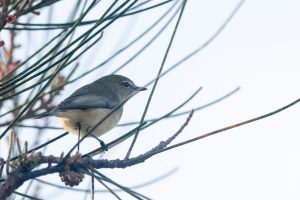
[{"x": 71, "y": 169}]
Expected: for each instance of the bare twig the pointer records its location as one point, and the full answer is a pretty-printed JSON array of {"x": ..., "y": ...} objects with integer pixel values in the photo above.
[{"x": 232, "y": 126}]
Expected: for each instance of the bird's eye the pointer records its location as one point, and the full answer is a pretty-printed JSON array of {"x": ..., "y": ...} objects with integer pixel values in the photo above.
[{"x": 126, "y": 84}]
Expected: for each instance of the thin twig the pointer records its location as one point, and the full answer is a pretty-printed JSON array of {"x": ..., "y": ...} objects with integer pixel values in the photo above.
[{"x": 232, "y": 126}]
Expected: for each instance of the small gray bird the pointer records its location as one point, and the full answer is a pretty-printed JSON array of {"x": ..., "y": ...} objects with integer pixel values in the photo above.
[{"x": 89, "y": 104}]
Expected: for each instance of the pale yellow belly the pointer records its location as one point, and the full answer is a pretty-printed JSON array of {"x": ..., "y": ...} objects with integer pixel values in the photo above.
[{"x": 88, "y": 118}]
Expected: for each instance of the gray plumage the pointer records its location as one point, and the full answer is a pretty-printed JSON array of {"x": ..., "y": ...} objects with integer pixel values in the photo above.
[{"x": 88, "y": 104}]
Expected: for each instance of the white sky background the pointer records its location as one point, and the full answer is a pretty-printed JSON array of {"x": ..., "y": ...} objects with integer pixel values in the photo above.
[{"x": 258, "y": 51}]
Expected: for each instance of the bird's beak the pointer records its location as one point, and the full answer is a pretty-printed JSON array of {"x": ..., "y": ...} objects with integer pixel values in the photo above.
[{"x": 141, "y": 88}]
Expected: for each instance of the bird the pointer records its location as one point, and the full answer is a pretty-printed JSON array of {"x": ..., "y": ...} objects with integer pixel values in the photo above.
[{"x": 91, "y": 103}]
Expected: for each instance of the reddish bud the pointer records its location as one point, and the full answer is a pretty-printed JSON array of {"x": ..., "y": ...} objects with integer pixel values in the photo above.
[{"x": 11, "y": 18}]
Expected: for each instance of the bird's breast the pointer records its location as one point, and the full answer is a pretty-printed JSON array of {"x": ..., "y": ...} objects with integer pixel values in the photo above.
[{"x": 88, "y": 118}]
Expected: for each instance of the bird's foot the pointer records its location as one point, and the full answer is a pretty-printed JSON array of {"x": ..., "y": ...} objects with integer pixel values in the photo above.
[{"x": 104, "y": 147}]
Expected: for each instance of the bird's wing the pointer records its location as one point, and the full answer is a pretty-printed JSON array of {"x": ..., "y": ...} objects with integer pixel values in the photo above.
[
  {"x": 87, "y": 101},
  {"x": 84, "y": 98},
  {"x": 87, "y": 97},
  {"x": 81, "y": 102}
]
